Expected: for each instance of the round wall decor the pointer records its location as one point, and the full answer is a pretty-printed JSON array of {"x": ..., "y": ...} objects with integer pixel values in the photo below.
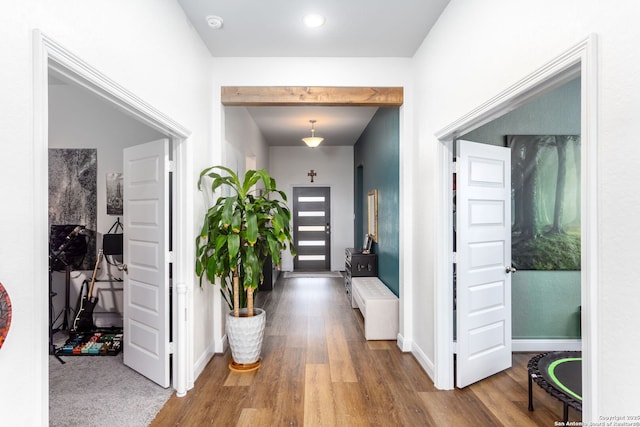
[{"x": 5, "y": 314}]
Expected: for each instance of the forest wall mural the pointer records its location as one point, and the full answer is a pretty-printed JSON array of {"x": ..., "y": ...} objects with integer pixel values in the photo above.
[{"x": 545, "y": 177}]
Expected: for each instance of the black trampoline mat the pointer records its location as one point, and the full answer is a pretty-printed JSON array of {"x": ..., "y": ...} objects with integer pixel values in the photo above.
[{"x": 563, "y": 371}]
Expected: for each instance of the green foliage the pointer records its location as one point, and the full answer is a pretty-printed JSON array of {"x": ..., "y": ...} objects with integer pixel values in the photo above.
[
  {"x": 548, "y": 251},
  {"x": 241, "y": 230}
]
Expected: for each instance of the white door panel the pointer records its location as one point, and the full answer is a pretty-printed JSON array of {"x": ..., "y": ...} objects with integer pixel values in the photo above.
[
  {"x": 146, "y": 251},
  {"x": 483, "y": 244}
]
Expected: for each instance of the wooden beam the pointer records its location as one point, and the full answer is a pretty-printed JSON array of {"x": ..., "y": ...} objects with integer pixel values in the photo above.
[{"x": 312, "y": 96}]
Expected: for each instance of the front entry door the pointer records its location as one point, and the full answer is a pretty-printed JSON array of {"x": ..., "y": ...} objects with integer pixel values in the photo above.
[
  {"x": 483, "y": 261},
  {"x": 312, "y": 228},
  {"x": 146, "y": 255}
]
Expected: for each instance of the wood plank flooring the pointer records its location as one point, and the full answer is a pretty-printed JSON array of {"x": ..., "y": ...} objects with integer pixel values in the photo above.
[{"x": 318, "y": 370}]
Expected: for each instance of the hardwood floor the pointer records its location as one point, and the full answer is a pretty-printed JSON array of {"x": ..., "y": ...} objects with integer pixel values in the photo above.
[{"x": 318, "y": 370}]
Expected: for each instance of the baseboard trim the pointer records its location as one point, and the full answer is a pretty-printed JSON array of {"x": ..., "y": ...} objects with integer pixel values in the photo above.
[
  {"x": 221, "y": 345},
  {"x": 218, "y": 347},
  {"x": 201, "y": 363},
  {"x": 426, "y": 363},
  {"x": 403, "y": 345},
  {"x": 542, "y": 345}
]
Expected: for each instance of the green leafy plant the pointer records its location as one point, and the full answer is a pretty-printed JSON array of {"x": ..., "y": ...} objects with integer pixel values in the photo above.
[{"x": 240, "y": 231}]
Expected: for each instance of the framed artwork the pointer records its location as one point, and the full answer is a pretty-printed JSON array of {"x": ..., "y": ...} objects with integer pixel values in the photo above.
[
  {"x": 372, "y": 214},
  {"x": 545, "y": 201},
  {"x": 114, "y": 194},
  {"x": 73, "y": 193}
]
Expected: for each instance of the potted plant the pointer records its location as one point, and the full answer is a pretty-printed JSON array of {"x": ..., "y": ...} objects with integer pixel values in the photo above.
[{"x": 238, "y": 233}]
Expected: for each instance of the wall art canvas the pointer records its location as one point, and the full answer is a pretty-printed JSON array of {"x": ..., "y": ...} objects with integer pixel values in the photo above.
[
  {"x": 114, "y": 194},
  {"x": 5, "y": 314},
  {"x": 545, "y": 203},
  {"x": 73, "y": 194}
]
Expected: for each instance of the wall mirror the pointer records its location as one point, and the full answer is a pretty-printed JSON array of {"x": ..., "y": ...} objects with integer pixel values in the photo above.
[{"x": 372, "y": 215}]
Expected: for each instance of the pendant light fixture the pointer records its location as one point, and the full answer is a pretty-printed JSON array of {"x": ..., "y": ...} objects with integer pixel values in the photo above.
[{"x": 313, "y": 141}]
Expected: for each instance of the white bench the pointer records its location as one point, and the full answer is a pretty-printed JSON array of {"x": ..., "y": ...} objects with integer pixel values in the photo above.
[{"x": 378, "y": 305}]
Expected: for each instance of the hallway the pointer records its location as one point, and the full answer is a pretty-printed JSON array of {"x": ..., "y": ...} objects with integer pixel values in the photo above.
[{"x": 317, "y": 369}]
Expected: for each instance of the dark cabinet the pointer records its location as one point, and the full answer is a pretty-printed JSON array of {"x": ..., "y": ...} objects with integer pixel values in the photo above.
[
  {"x": 357, "y": 264},
  {"x": 271, "y": 274}
]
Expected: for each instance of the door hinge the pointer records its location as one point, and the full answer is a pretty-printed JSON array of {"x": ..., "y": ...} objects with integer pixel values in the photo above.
[
  {"x": 454, "y": 257},
  {"x": 170, "y": 257},
  {"x": 171, "y": 347},
  {"x": 171, "y": 166},
  {"x": 454, "y": 167}
]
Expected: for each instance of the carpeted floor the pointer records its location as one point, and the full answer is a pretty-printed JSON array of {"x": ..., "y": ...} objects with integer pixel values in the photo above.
[{"x": 101, "y": 391}]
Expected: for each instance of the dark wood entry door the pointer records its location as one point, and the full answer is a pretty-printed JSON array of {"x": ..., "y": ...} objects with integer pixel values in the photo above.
[{"x": 312, "y": 228}]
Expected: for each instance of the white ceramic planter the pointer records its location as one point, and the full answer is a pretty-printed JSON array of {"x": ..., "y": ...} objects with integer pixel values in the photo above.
[{"x": 245, "y": 335}]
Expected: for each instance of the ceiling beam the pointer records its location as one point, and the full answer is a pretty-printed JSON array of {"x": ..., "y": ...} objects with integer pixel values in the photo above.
[{"x": 311, "y": 96}]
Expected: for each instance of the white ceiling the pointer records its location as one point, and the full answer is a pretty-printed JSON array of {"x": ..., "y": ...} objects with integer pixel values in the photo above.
[
  {"x": 288, "y": 125},
  {"x": 353, "y": 28}
]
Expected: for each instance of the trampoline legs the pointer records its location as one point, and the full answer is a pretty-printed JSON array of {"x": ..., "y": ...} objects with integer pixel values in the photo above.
[
  {"x": 565, "y": 411},
  {"x": 530, "y": 393},
  {"x": 541, "y": 365}
]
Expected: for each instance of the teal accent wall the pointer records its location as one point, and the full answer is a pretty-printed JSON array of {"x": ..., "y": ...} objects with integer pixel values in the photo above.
[
  {"x": 545, "y": 304},
  {"x": 554, "y": 113},
  {"x": 377, "y": 166}
]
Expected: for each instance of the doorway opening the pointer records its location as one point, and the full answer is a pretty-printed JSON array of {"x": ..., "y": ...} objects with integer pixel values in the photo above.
[
  {"x": 359, "y": 205},
  {"x": 53, "y": 60},
  {"x": 579, "y": 61},
  {"x": 312, "y": 228},
  {"x": 270, "y": 98}
]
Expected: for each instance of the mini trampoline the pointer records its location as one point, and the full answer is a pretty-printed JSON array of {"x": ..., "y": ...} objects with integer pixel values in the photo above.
[{"x": 559, "y": 373}]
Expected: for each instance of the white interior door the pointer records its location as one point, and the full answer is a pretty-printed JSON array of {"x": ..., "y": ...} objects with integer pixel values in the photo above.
[
  {"x": 146, "y": 254},
  {"x": 483, "y": 246}
]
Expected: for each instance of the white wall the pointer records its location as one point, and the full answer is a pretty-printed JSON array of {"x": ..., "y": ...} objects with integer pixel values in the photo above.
[
  {"x": 243, "y": 134},
  {"x": 477, "y": 50},
  {"x": 289, "y": 166},
  {"x": 334, "y": 166},
  {"x": 164, "y": 63},
  {"x": 79, "y": 119}
]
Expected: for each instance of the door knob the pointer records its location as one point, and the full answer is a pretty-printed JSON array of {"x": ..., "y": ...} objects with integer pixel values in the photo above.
[
  {"x": 510, "y": 269},
  {"x": 123, "y": 267}
]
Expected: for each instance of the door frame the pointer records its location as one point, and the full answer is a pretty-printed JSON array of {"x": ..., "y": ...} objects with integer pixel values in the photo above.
[
  {"x": 50, "y": 55},
  {"x": 294, "y": 202},
  {"x": 372, "y": 96},
  {"x": 578, "y": 61}
]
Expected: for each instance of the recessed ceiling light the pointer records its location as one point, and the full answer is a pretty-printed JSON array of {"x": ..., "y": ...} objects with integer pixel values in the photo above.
[
  {"x": 214, "y": 22},
  {"x": 313, "y": 20}
]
